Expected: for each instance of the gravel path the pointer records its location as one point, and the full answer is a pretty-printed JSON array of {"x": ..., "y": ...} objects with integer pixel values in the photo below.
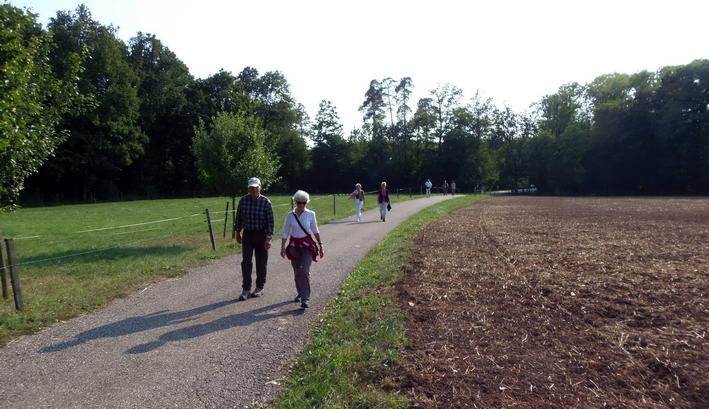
[{"x": 187, "y": 343}]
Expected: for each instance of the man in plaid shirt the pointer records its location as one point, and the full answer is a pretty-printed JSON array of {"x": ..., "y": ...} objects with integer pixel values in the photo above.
[{"x": 255, "y": 216}]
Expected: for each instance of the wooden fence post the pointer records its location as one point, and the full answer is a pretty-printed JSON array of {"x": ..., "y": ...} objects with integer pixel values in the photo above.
[
  {"x": 292, "y": 205},
  {"x": 226, "y": 218},
  {"x": 233, "y": 217},
  {"x": 411, "y": 195},
  {"x": 211, "y": 233},
  {"x": 3, "y": 275},
  {"x": 14, "y": 274},
  {"x": 334, "y": 209}
]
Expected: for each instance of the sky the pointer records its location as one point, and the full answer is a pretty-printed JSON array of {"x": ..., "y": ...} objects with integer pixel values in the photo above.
[{"x": 512, "y": 51}]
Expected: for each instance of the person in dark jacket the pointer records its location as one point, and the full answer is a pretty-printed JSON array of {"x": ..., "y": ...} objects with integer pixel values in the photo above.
[
  {"x": 255, "y": 216},
  {"x": 383, "y": 199}
]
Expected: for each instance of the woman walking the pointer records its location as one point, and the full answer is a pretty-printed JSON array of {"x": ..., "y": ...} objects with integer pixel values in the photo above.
[
  {"x": 383, "y": 199},
  {"x": 358, "y": 196},
  {"x": 301, "y": 225}
]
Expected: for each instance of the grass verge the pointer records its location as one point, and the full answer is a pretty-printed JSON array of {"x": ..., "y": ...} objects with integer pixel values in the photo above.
[{"x": 348, "y": 363}]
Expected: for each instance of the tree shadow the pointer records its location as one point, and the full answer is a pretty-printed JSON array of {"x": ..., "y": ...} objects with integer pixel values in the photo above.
[
  {"x": 135, "y": 324},
  {"x": 232, "y": 321}
]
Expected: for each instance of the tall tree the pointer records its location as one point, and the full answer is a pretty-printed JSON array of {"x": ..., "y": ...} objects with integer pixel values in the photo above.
[
  {"x": 327, "y": 128},
  {"x": 330, "y": 153},
  {"x": 681, "y": 103},
  {"x": 221, "y": 92},
  {"x": 389, "y": 96},
  {"x": 33, "y": 99},
  {"x": 560, "y": 110},
  {"x": 281, "y": 116},
  {"x": 232, "y": 150},
  {"x": 424, "y": 121},
  {"x": 373, "y": 107},
  {"x": 445, "y": 99},
  {"x": 107, "y": 138},
  {"x": 167, "y": 116},
  {"x": 557, "y": 154},
  {"x": 467, "y": 157},
  {"x": 403, "y": 95}
]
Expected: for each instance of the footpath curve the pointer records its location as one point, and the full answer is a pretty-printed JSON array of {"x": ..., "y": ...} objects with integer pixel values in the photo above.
[{"x": 188, "y": 343}]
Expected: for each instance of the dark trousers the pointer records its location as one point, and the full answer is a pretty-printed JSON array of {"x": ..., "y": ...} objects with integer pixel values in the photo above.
[{"x": 253, "y": 242}]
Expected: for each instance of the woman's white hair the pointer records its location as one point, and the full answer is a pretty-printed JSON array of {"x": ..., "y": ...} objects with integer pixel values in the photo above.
[{"x": 301, "y": 196}]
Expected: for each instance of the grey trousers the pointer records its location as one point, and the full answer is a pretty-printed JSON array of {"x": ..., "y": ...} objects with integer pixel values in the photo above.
[{"x": 301, "y": 270}]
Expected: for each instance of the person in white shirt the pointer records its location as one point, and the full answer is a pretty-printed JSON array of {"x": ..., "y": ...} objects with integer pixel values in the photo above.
[
  {"x": 428, "y": 185},
  {"x": 358, "y": 196},
  {"x": 453, "y": 187},
  {"x": 302, "y": 249}
]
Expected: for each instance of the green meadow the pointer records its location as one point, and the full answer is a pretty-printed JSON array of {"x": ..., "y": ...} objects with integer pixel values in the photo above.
[{"x": 76, "y": 258}]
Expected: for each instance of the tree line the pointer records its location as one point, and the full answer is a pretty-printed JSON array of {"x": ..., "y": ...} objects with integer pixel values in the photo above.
[{"x": 85, "y": 116}]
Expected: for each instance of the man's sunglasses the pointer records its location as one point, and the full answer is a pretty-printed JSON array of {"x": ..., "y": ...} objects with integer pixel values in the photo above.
[{"x": 303, "y": 203}]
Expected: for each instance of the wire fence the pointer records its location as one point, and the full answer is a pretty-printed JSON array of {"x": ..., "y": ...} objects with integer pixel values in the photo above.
[{"x": 106, "y": 238}]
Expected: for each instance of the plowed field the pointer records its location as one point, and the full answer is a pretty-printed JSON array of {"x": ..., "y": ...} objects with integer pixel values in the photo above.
[{"x": 538, "y": 302}]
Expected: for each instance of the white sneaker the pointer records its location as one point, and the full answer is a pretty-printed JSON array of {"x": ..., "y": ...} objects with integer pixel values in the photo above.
[{"x": 244, "y": 295}]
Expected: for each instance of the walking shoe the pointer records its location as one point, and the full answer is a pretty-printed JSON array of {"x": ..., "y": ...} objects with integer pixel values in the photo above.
[
  {"x": 257, "y": 292},
  {"x": 304, "y": 304},
  {"x": 297, "y": 298},
  {"x": 244, "y": 295}
]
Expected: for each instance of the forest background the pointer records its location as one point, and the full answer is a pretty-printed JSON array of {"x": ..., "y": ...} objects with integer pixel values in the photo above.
[{"x": 87, "y": 117}]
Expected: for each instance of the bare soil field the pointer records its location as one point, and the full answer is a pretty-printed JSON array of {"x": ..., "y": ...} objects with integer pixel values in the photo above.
[{"x": 541, "y": 302}]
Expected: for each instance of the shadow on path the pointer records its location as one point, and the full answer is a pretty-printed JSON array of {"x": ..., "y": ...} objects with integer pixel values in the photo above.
[
  {"x": 232, "y": 321},
  {"x": 353, "y": 222},
  {"x": 135, "y": 324}
]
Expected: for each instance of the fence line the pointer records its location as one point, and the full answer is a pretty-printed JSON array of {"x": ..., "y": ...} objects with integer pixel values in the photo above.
[
  {"x": 167, "y": 220},
  {"x": 137, "y": 231},
  {"x": 92, "y": 251},
  {"x": 138, "y": 224},
  {"x": 172, "y": 234}
]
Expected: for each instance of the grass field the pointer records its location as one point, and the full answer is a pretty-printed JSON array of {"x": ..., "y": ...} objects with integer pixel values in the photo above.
[
  {"x": 74, "y": 259},
  {"x": 349, "y": 362}
]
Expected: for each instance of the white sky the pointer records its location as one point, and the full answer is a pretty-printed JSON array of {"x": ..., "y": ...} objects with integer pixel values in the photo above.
[{"x": 513, "y": 51}]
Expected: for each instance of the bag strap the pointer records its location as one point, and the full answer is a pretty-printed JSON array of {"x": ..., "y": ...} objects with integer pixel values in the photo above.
[{"x": 304, "y": 231}]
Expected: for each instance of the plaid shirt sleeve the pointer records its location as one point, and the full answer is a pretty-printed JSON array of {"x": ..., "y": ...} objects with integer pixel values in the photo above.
[
  {"x": 269, "y": 219},
  {"x": 239, "y": 222}
]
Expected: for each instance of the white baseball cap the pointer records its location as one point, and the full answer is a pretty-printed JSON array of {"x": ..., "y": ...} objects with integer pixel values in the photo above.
[{"x": 253, "y": 182}]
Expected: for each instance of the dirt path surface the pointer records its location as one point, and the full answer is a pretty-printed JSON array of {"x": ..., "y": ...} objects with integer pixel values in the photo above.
[
  {"x": 187, "y": 343},
  {"x": 534, "y": 302}
]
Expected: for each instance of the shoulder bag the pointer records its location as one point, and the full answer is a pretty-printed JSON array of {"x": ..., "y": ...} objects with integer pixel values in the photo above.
[{"x": 291, "y": 247}]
